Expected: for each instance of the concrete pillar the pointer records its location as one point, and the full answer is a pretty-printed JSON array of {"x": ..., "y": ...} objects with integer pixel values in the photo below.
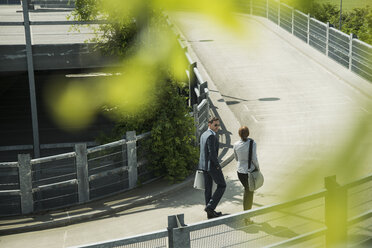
[
  {"x": 25, "y": 183},
  {"x": 335, "y": 213},
  {"x": 82, "y": 172},
  {"x": 132, "y": 158},
  {"x": 178, "y": 235}
]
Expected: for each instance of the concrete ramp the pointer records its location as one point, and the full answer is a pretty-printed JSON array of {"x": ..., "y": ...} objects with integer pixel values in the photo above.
[{"x": 301, "y": 107}]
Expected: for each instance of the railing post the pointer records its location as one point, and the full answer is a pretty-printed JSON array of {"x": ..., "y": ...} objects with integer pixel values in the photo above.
[
  {"x": 196, "y": 123},
  {"x": 132, "y": 158},
  {"x": 350, "y": 51},
  {"x": 308, "y": 28},
  {"x": 293, "y": 20},
  {"x": 327, "y": 39},
  {"x": 82, "y": 172},
  {"x": 279, "y": 13},
  {"x": 335, "y": 213},
  {"x": 250, "y": 7},
  {"x": 267, "y": 9},
  {"x": 25, "y": 183},
  {"x": 178, "y": 236},
  {"x": 192, "y": 84}
]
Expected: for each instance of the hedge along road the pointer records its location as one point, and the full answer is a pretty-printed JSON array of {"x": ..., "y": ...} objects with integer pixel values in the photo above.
[{"x": 297, "y": 110}]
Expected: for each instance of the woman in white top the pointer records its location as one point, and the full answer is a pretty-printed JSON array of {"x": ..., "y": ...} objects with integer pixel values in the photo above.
[{"x": 241, "y": 150}]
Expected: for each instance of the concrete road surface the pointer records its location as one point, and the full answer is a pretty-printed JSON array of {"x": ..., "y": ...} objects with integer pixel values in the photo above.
[{"x": 299, "y": 105}]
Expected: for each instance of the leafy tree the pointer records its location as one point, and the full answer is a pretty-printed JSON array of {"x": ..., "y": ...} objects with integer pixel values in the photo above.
[
  {"x": 325, "y": 12},
  {"x": 358, "y": 22},
  {"x": 145, "y": 94}
]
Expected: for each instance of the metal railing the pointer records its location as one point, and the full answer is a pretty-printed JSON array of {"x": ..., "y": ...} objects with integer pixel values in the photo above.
[
  {"x": 322, "y": 219},
  {"x": 345, "y": 49},
  {"x": 198, "y": 88},
  {"x": 33, "y": 185}
]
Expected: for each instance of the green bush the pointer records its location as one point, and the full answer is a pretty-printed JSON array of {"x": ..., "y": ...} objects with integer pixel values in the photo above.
[
  {"x": 170, "y": 150},
  {"x": 357, "y": 21}
]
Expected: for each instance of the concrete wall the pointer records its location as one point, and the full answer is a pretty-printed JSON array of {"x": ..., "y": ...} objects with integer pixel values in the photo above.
[{"x": 52, "y": 57}]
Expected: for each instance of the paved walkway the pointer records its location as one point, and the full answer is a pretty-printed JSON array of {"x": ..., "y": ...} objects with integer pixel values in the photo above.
[{"x": 281, "y": 91}]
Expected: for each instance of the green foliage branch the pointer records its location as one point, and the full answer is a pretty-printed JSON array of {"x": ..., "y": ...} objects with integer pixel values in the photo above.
[{"x": 171, "y": 150}]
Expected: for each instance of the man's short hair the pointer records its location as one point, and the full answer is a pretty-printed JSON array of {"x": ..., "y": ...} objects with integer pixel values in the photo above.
[{"x": 213, "y": 119}]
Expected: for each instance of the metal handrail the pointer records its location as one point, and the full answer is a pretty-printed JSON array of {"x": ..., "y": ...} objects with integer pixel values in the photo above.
[
  {"x": 53, "y": 158},
  {"x": 256, "y": 212}
]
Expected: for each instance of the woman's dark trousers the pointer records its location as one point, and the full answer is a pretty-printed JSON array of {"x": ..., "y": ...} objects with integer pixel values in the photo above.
[{"x": 248, "y": 195}]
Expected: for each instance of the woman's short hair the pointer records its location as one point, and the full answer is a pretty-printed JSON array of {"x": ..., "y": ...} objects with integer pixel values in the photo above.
[{"x": 244, "y": 133}]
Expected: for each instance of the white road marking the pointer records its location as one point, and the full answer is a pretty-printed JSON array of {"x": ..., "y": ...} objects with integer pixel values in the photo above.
[{"x": 255, "y": 120}]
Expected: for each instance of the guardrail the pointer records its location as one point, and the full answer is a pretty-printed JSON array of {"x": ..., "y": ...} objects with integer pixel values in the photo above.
[
  {"x": 33, "y": 185},
  {"x": 198, "y": 88},
  {"x": 10, "y": 2},
  {"x": 345, "y": 49},
  {"x": 322, "y": 219}
]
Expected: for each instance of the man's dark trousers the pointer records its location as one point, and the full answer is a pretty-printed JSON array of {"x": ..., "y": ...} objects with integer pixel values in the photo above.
[{"x": 215, "y": 175}]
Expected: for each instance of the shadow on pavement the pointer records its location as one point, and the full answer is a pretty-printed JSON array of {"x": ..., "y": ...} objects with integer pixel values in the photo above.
[{"x": 279, "y": 231}]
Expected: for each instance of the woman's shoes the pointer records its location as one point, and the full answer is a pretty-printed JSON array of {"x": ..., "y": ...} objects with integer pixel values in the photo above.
[{"x": 248, "y": 221}]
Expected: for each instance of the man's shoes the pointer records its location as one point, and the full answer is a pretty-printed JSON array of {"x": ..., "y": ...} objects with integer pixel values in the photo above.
[{"x": 211, "y": 213}]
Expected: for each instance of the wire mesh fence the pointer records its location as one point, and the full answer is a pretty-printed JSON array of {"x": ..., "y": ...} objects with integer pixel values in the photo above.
[
  {"x": 343, "y": 48},
  {"x": 157, "y": 239},
  {"x": 10, "y": 202},
  {"x": 70, "y": 178},
  {"x": 258, "y": 8},
  {"x": 108, "y": 171},
  {"x": 54, "y": 182},
  {"x": 362, "y": 59},
  {"x": 273, "y": 11},
  {"x": 10, "y": 2},
  {"x": 300, "y": 25},
  {"x": 267, "y": 228},
  {"x": 359, "y": 203},
  {"x": 318, "y": 35},
  {"x": 339, "y": 45},
  {"x": 286, "y": 17}
]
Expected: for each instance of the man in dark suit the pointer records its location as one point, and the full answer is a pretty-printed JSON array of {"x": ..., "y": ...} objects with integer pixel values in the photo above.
[{"x": 208, "y": 162}]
